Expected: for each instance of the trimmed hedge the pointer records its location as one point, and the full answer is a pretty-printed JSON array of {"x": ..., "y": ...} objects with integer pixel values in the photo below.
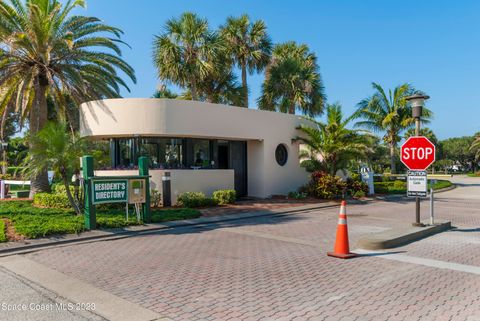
[
  {"x": 225, "y": 196},
  {"x": 51, "y": 200},
  {"x": 195, "y": 199},
  {"x": 34, "y": 222},
  {"x": 3, "y": 236}
]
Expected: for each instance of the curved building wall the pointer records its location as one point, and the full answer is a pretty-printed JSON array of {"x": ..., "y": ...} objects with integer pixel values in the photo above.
[{"x": 262, "y": 130}]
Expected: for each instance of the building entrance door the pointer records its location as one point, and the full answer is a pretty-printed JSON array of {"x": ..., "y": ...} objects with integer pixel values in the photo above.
[{"x": 238, "y": 162}]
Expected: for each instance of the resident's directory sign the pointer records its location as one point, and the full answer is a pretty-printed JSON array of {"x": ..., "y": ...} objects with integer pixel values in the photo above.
[
  {"x": 417, "y": 184},
  {"x": 109, "y": 191}
]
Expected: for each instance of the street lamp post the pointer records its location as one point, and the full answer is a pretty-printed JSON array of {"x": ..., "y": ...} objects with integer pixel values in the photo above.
[{"x": 417, "y": 102}]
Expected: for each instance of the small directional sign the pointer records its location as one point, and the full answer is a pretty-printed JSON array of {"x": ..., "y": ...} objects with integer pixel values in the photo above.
[{"x": 417, "y": 184}]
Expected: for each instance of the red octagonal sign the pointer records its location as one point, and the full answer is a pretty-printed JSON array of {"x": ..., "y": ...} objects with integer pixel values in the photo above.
[{"x": 417, "y": 153}]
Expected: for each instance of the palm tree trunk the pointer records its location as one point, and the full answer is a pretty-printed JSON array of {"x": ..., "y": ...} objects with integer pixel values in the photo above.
[
  {"x": 393, "y": 168},
  {"x": 193, "y": 89},
  {"x": 37, "y": 120},
  {"x": 244, "y": 86},
  {"x": 291, "y": 110},
  {"x": 2, "y": 138},
  {"x": 69, "y": 194}
]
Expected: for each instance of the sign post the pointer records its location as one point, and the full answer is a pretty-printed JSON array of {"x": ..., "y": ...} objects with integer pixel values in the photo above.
[
  {"x": 143, "y": 171},
  {"x": 89, "y": 214},
  {"x": 417, "y": 153},
  {"x": 115, "y": 189}
]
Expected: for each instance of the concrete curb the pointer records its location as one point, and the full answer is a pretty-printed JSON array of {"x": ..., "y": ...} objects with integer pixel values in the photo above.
[
  {"x": 398, "y": 237},
  {"x": 104, "y": 235}
]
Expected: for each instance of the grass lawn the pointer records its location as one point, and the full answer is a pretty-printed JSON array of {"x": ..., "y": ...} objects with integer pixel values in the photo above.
[
  {"x": 33, "y": 222},
  {"x": 400, "y": 187},
  {"x": 477, "y": 174}
]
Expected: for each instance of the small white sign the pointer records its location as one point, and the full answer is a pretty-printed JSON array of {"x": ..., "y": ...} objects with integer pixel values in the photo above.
[{"x": 417, "y": 184}]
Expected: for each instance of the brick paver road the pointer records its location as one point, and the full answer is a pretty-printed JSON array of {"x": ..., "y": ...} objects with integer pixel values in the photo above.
[{"x": 276, "y": 268}]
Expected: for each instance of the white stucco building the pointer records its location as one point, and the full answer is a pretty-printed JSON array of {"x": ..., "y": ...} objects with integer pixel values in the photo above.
[{"x": 204, "y": 146}]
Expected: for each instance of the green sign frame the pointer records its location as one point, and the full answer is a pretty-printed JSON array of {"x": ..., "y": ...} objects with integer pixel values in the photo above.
[
  {"x": 109, "y": 190},
  {"x": 90, "y": 216}
]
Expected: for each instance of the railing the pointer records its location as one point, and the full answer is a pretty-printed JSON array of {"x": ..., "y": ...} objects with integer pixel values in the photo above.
[{"x": 4, "y": 183}]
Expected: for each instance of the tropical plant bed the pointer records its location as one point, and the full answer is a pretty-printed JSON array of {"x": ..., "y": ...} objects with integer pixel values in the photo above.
[
  {"x": 476, "y": 174},
  {"x": 33, "y": 222},
  {"x": 400, "y": 187}
]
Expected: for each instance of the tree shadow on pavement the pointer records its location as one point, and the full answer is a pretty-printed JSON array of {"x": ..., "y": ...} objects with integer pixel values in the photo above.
[{"x": 266, "y": 219}]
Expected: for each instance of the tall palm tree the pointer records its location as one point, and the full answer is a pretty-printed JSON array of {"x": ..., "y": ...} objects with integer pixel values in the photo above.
[
  {"x": 293, "y": 81},
  {"x": 249, "y": 46},
  {"x": 185, "y": 52},
  {"x": 54, "y": 148},
  {"x": 427, "y": 132},
  {"x": 47, "y": 51},
  {"x": 331, "y": 146},
  {"x": 389, "y": 114}
]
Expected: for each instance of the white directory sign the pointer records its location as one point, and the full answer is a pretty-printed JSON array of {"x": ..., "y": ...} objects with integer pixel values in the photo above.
[{"x": 417, "y": 184}]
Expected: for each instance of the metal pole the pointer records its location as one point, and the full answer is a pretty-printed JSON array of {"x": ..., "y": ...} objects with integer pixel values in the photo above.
[
  {"x": 431, "y": 204},
  {"x": 417, "y": 199}
]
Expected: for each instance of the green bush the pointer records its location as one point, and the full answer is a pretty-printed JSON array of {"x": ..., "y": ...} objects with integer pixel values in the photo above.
[
  {"x": 355, "y": 185},
  {"x": 399, "y": 184},
  {"x": 155, "y": 198},
  {"x": 195, "y": 199},
  {"x": 34, "y": 222},
  {"x": 325, "y": 186},
  {"x": 225, "y": 196},
  {"x": 59, "y": 188},
  {"x": 3, "y": 236},
  {"x": 51, "y": 200},
  {"x": 359, "y": 194},
  {"x": 297, "y": 195}
]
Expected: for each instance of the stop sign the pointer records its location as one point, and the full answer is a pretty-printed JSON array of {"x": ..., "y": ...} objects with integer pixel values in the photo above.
[{"x": 417, "y": 153}]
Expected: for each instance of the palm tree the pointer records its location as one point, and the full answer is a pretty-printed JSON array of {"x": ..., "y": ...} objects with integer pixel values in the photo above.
[
  {"x": 331, "y": 146},
  {"x": 292, "y": 81},
  {"x": 389, "y": 114},
  {"x": 54, "y": 148},
  {"x": 427, "y": 132},
  {"x": 47, "y": 51},
  {"x": 185, "y": 52},
  {"x": 249, "y": 46}
]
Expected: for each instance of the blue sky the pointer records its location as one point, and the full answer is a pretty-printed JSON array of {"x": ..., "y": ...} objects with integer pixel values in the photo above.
[{"x": 435, "y": 45}]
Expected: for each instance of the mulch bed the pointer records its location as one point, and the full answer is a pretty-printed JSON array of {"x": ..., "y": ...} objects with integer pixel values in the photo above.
[{"x": 10, "y": 232}]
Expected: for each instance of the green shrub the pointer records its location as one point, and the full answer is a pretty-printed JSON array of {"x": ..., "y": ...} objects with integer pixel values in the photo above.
[
  {"x": 297, "y": 195},
  {"x": 155, "y": 198},
  {"x": 359, "y": 194},
  {"x": 325, "y": 186},
  {"x": 51, "y": 200},
  {"x": 225, "y": 196},
  {"x": 399, "y": 184},
  {"x": 442, "y": 184},
  {"x": 59, "y": 188},
  {"x": 195, "y": 199},
  {"x": 355, "y": 186},
  {"x": 3, "y": 236}
]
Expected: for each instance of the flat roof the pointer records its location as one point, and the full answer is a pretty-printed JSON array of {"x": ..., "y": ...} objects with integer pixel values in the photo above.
[{"x": 127, "y": 117}]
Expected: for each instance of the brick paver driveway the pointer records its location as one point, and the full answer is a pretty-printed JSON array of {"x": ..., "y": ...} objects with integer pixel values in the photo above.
[{"x": 276, "y": 268}]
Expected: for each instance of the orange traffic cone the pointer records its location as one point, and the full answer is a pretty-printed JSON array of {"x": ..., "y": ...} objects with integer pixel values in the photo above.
[{"x": 342, "y": 249}]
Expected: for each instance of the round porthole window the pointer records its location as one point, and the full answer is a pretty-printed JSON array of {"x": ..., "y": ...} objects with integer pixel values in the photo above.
[{"x": 281, "y": 154}]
